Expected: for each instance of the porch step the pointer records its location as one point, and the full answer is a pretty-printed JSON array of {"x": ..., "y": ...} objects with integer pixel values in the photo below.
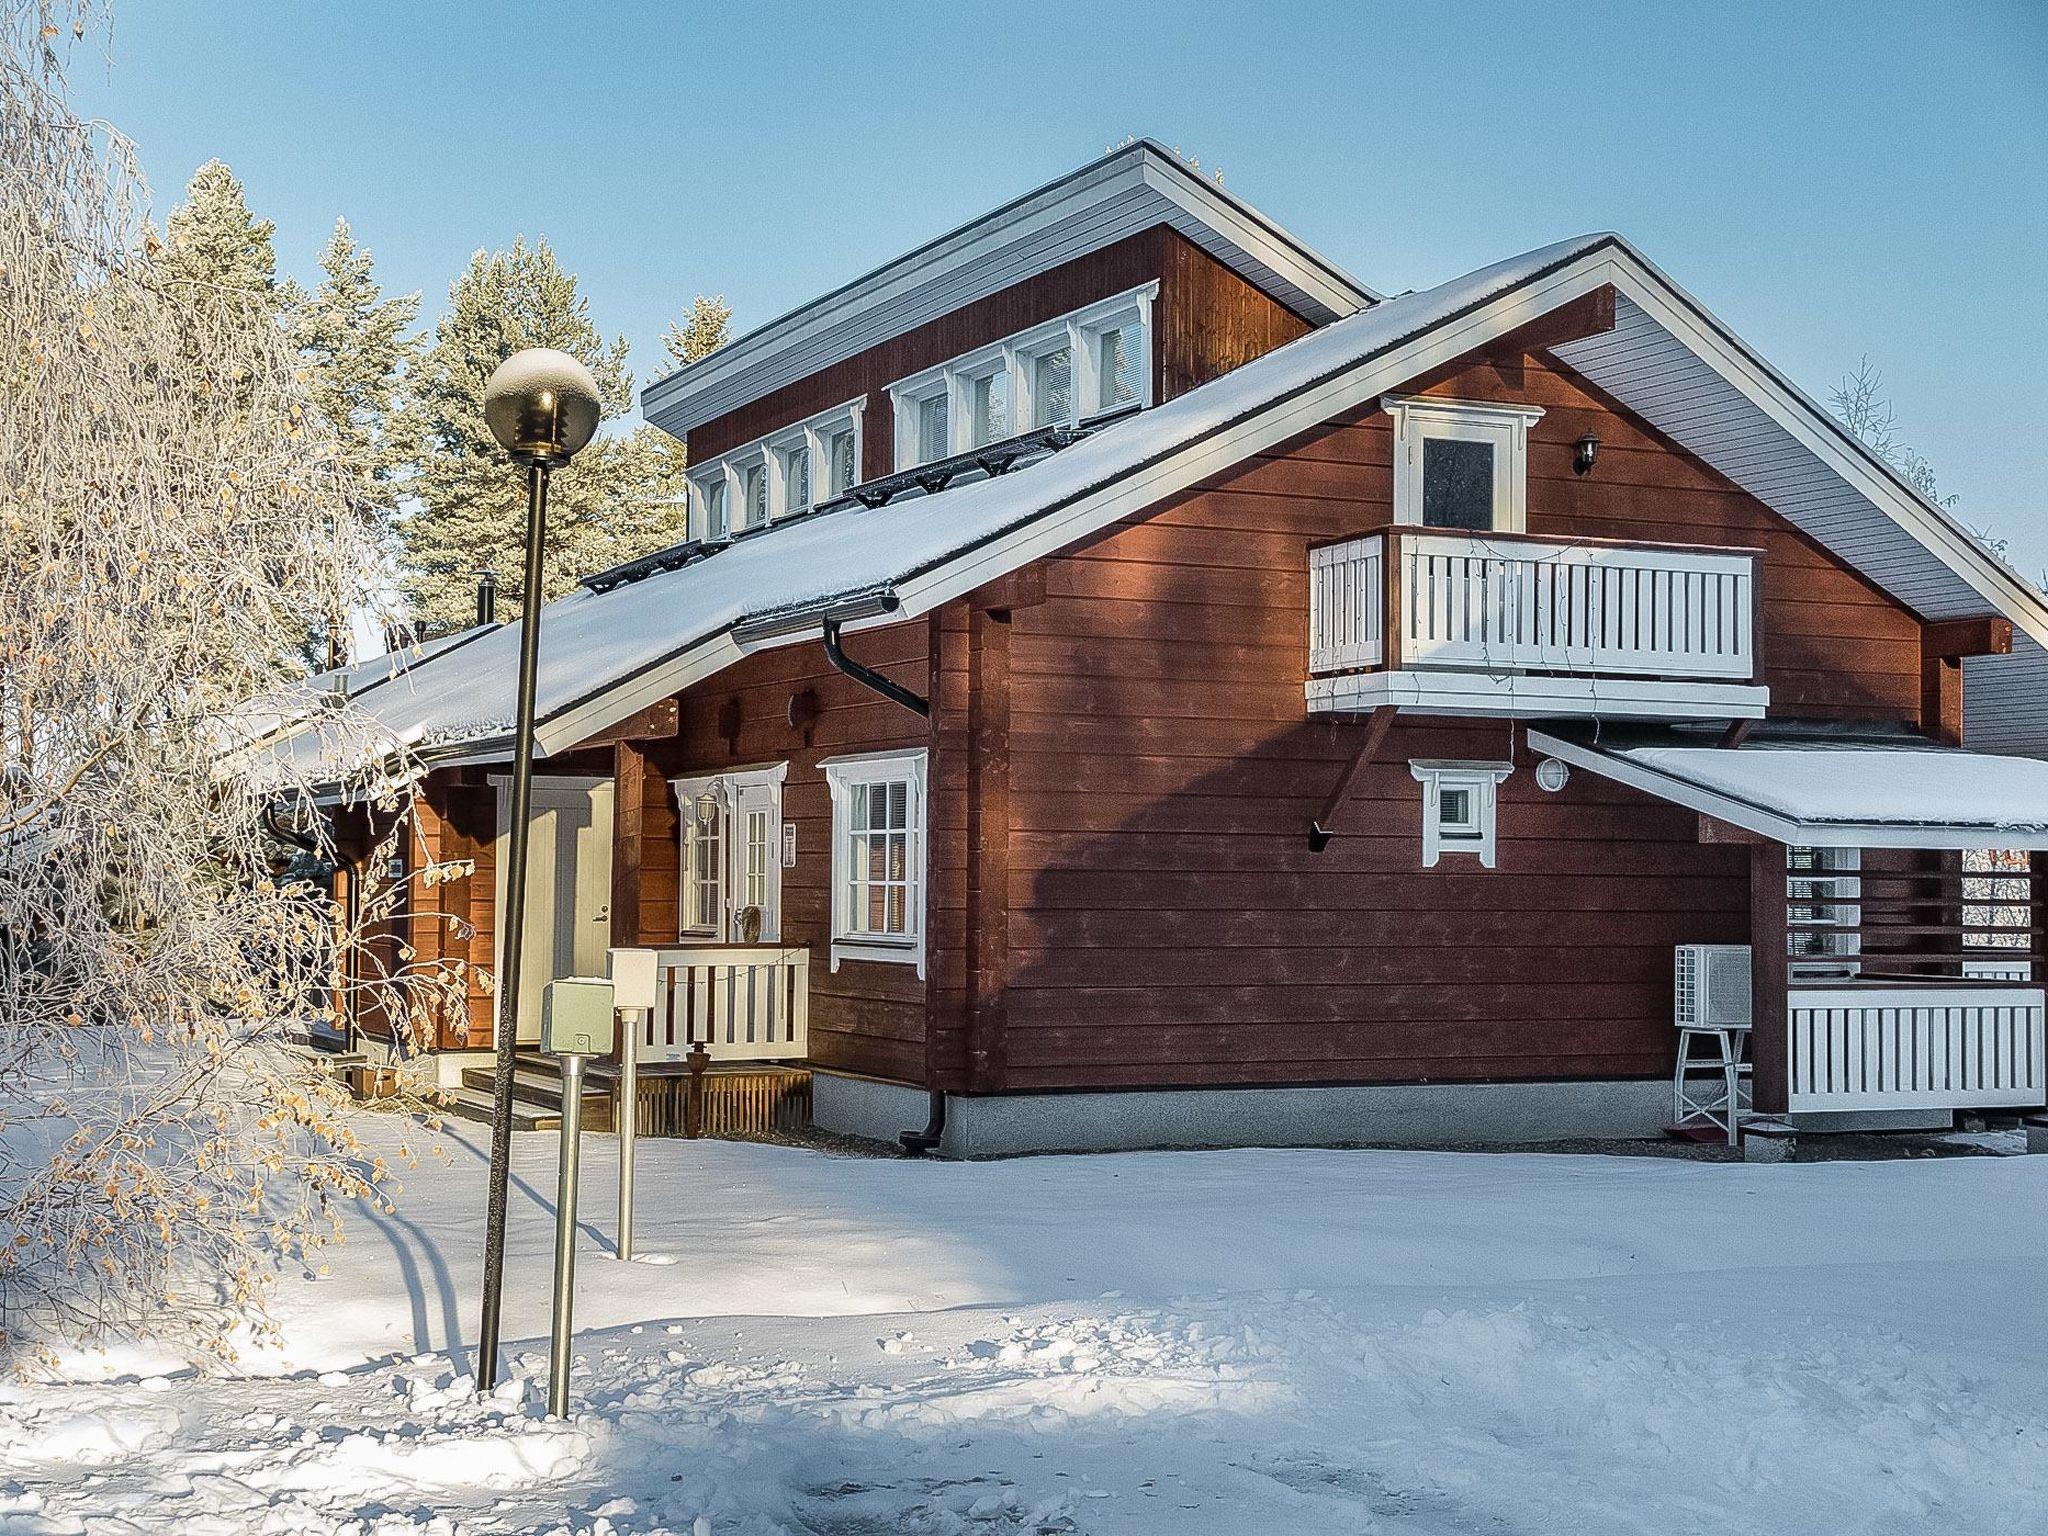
[
  {"x": 536, "y": 1095},
  {"x": 467, "y": 1103}
]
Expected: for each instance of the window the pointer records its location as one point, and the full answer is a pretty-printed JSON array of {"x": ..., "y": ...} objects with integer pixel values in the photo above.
[
  {"x": 1458, "y": 806},
  {"x": 1823, "y": 912},
  {"x": 1052, "y": 387},
  {"x": 754, "y": 495},
  {"x": 714, "y": 522},
  {"x": 787, "y": 472},
  {"x": 989, "y": 417},
  {"x": 1120, "y": 356},
  {"x": 843, "y": 466},
  {"x": 878, "y": 857},
  {"x": 934, "y": 435},
  {"x": 703, "y": 903},
  {"x": 1057, "y": 374},
  {"x": 1461, "y": 464},
  {"x": 796, "y": 479}
]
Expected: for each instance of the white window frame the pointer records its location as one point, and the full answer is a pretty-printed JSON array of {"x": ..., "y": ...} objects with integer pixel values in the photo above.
[
  {"x": 771, "y": 451},
  {"x": 1078, "y": 332},
  {"x": 722, "y": 786},
  {"x": 1418, "y": 418},
  {"x": 1483, "y": 780},
  {"x": 843, "y": 775}
]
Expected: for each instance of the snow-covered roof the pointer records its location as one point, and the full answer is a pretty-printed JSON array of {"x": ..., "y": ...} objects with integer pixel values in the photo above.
[
  {"x": 1126, "y": 191},
  {"x": 1812, "y": 791},
  {"x": 607, "y": 654},
  {"x": 604, "y": 655}
]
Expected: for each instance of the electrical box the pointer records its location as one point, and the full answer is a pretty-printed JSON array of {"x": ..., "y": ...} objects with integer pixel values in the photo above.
[
  {"x": 576, "y": 1017},
  {"x": 632, "y": 973}
]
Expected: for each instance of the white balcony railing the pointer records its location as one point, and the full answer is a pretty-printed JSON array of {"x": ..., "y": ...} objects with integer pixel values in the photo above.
[
  {"x": 1872, "y": 1046},
  {"x": 745, "y": 1002},
  {"x": 1434, "y": 598}
]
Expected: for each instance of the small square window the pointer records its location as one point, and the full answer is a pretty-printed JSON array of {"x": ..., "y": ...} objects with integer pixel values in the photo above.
[{"x": 1458, "y": 808}]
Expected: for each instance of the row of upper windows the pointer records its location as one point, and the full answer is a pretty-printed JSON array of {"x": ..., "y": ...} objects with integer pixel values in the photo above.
[
  {"x": 1060, "y": 373},
  {"x": 778, "y": 476},
  {"x": 1057, "y": 374}
]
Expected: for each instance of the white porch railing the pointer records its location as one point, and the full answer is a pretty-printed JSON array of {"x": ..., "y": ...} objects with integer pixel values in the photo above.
[
  {"x": 1415, "y": 597},
  {"x": 1879, "y": 1047},
  {"x": 745, "y": 1002}
]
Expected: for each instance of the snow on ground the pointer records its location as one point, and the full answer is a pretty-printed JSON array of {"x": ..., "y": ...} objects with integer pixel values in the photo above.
[{"x": 1223, "y": 1342}]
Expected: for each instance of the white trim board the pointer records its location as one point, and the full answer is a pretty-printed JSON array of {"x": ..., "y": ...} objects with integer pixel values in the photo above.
[
  {"x": 1518, "y": 696},
  {"x": 1771, "y": 824}
]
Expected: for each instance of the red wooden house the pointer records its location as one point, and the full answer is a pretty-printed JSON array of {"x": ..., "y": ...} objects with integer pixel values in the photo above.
[{"x": 1130, "y": 683}]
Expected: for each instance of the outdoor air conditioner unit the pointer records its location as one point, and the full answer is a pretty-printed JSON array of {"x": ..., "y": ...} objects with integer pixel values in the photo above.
[{"x": 1713, "y": 987}]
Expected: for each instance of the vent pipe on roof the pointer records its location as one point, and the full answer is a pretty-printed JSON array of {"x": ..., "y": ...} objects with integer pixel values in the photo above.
[{"x": 487, "y": 598}]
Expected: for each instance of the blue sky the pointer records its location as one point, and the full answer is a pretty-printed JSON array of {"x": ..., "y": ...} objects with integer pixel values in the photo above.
[{"x": 1833, "y": 181}]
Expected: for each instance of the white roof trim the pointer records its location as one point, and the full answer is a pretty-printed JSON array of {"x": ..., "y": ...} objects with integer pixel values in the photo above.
[
  {"x": 1833, "y": 444},
  {"x": 1121, "y": 194},
  {"x": 1815, "y": 829}
]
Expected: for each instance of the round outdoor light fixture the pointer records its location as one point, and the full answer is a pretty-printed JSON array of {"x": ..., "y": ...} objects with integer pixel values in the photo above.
[
  {"x": 1584, "y": 452},
  {"x": 541, "y": 406},
  {"x": 1552, "y": 775}
]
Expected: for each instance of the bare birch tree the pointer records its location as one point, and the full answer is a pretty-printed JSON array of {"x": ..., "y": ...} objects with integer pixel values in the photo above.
[{"x": 174, "y": 519}]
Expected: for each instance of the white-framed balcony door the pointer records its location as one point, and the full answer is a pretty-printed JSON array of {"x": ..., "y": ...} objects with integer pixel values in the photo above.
[
  {"x": 732, "y": 861},
  {"x": 568, "y": 886}
]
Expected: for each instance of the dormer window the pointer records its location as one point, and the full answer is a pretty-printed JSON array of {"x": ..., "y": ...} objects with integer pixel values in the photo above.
[
  {"x": 1029, "y": 381},
  {"x": 1461, "y": 463},
  {"x": 777, "y": 476}
]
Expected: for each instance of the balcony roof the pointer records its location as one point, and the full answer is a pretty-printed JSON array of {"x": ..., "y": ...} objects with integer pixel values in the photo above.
[{"x": 1823, "y": 790}]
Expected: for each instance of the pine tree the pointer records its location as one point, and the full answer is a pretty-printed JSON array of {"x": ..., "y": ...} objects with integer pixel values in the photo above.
[
  {"x": 706, "y": 328},
  {"x": 355, "y": 345},
  {"x": 212, "y": 240},
  {"x": 621, "y": 496}
]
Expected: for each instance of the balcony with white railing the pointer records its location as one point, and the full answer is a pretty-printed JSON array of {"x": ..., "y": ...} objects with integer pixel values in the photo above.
[
  {"x": 1441, "y": 620},
  {"x": 744, "y": 1002}
]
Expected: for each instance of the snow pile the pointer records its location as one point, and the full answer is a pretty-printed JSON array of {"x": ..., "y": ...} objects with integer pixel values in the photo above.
[{"x": 1313, "y": 1342}]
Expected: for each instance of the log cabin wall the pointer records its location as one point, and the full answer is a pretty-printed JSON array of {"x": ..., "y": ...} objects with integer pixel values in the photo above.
[
  {"x": 1166, "y": 923},
  {"x": 1206, "y": 321},
  {"x": 868, "y": 1017}
]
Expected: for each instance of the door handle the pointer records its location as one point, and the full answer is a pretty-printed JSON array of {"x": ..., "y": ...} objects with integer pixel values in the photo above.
[{"x": 601, "y": 915}]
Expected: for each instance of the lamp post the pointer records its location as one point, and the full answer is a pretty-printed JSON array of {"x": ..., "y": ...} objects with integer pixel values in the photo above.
[{"x": 542, "y": 407}]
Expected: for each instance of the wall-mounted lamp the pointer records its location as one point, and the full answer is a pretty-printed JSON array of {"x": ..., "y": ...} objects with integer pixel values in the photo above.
[
  {"x": 1585, "y": 452},
  {"x": 1552, "y": 775},
  {"x": 707, "y": 808}
]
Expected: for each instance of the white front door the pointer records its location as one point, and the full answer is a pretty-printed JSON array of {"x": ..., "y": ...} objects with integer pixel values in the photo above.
[
  {"x": 732, "y": 856},
  {"x": 568, "y": 887}
]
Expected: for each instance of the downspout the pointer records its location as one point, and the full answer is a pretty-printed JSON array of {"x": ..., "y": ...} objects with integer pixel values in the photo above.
[{"x": 914, "y": 1143}]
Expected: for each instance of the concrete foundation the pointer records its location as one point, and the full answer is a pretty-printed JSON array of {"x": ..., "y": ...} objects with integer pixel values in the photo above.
[{"x": 1408, "y": 1114}]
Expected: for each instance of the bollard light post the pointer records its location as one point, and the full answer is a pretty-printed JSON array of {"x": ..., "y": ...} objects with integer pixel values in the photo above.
[
  {"x": 542, "y": 407},
  {"x": 577, "y": 1019},
  {"x": 632, "y": 972}
]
